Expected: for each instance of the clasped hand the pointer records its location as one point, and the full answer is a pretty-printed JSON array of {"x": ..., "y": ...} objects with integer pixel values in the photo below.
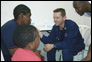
[{"x": 48, "y": 47}]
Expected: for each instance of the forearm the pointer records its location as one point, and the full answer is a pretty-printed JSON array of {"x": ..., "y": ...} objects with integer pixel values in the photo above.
[
  {"x": 43, "y": 38},
  {"x": 88, "y": 57},
  {"x": 89, "y": 52},
  {"x": 66, "y": 44},
  {"x": 46, "y": 39},
  {"x": 12, "y": 51}
]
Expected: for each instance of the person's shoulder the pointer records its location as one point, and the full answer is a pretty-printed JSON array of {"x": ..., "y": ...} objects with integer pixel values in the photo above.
[
  {"x": 9, "y": 23},
  {"x": 55, "y": 27},
  {"x": 30, "y": 54},
  {"x": 70, "y": 22},
  {"x": 9, "y": 26}
]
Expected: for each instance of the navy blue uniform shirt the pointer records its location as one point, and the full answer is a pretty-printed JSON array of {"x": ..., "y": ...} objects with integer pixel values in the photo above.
[
  {"x": 69, "y": 38},
  {"x": 7, "y": 38}
]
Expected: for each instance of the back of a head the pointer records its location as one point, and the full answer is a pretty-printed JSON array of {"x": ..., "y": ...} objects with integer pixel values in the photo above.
[
  {"x": 24, "y": 34},
  {"x": 21, "y": 8}
]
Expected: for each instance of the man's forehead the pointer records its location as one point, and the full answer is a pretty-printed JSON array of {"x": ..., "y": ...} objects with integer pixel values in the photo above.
[
  {"x": 57, "y": 12},
  {"x": 77, "y": 3}
]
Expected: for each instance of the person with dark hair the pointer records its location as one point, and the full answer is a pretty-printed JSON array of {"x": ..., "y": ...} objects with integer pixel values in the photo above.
[
  {"x": 83, "y": 8},
  {"x": 65, "y": 36},
  {"x": 26, "y": 37},
  {"x": 21, "y": 16}
]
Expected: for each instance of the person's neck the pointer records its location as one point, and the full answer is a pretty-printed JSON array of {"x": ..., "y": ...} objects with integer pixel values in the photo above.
[
  {"x": 62, "y": 25},
  {"x": 29, "y": 49},
  {"x": 18, "y": 22}
]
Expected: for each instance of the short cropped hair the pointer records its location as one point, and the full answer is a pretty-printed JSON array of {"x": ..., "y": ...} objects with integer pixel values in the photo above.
[
  {"x": 63, "y": 13},
  {"x": 24, "y": 34},
  {"x": 21, "y": 8}
]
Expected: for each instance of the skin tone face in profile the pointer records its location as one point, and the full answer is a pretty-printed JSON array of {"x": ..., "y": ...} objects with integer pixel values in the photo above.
[
  {"x": 33, "y": 45},
  {"x": 24, "y": 19},
  {"x": 81, "y": 7}
]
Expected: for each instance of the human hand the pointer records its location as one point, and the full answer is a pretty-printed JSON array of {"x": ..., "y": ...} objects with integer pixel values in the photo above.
[
  {"x": 39, "y": 54},
  {"x": 40, "y": 34},
  {"x": 87, "y": 58},
  {"x": 48, "y": 47}
]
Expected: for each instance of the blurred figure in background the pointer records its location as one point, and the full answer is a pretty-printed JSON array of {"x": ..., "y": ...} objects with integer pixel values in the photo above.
[{"x": 84, "y": 8}]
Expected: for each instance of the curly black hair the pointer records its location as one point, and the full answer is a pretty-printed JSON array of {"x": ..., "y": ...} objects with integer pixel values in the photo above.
[
  {"x": 24, "y": 34},
  {"x": 21, "y": 8}
]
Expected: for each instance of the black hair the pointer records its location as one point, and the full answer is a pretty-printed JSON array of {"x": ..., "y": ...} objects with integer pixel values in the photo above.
[
  {"x": 21, "y": 8},
  {"x": 24, "y": 34},
  {"x": 63, "y": 13}
]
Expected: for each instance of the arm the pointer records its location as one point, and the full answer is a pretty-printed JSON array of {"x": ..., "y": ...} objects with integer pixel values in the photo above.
[
  {"x": 89, "y": 52},
  {"x": 50, "y": 38},
  {"x": 70, "y": 40},
  {"x": 7, "y": 37},
  {"x": 12, "y": 51},
  {"x": 10, "y": 45},
  {"x": 88, "y": 57}
]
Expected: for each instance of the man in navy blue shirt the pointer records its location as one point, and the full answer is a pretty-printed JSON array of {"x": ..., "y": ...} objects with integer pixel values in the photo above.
[
  {"x": 65, "y": 36},
  {"x": 84, "y": 8},
  {"x": 21, "y": 16}
]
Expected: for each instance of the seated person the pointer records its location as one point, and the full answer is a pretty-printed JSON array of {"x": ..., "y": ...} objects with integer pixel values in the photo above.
[
  {"x": 26, "y": 37},
  {"x": 65, "y": 36}
]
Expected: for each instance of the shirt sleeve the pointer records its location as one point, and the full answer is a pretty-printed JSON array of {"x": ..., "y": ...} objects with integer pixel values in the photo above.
[
  {"x": 51, "y": 38},
  {"x": 71, "y": 40},
  {"x": 7, "y": 36}
]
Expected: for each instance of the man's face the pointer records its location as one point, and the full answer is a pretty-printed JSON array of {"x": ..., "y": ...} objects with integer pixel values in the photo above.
[
  {"x": 26, "y": 18},
  {"x": 58, "y": 19},
  {"x": 79, "y": 8}
]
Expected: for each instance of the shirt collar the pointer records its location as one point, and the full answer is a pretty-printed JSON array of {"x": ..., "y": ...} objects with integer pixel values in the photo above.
[{"x": 65, "y": 26}]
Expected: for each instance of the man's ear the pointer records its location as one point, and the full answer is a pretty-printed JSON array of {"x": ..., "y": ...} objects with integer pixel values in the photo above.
[
  {"x": 30, "y": 45},
  {"x": 64, "y": 18},
  {"x": 21, "y": 15}
]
